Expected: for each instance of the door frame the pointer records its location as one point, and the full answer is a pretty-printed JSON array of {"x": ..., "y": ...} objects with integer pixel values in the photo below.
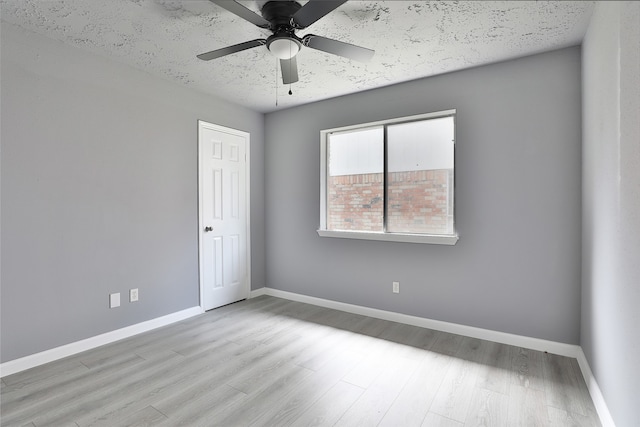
[{"x": 247, "y": 136}]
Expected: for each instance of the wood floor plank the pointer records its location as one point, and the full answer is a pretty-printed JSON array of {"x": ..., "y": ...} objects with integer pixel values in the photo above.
[
  {"x": 47, "y": 372},
  {"x": 310, "y": 389},
  {"x": 295, "y": 328},
  {"x": 488, "y": 409},
  {"x": 422, "y": 338},
  {"x": 435, "y": 420},
  {"x": 270, "y": 395},
  {"x": 561, "y": 418},
  {"x": 446, "y": 343},
  {"x": 189, "y": 374},
  {"x": 582, "y": 393},
  {"x": 267, "y": 327},
  {"x": 411, "y": 340},
  {"x": 456, "y": 392},
  {"x": 327, "y": 410},
  {"x": 371, "y": 327},
  {"x": 369, "y": 369},
  {"x": 374, "y": 403},
  {"x": 208, "y": 382},
  {"x": 324, "y": 350},
  {"x": 267, "y": 367},
  {"x": 412, "y": 405},
  {"x": 377, "y": 351},
  {"x": 43, "y": 397},
  {"x": 526, "y": 368},
  {"x": 473, "y": 350},
  {"x": 92, "y": 403},
  {"x": 562, "y": 385},
  {"x": 157, "y": 337},
  {"x": 41, "y": 381},
  {"x": 273, "y": 362},
  {"x": 179, "y": 382},
  {"x": 190, "y": 348},
  {"x": 454, "y": 396},
  {"x": 527, "y": 407},
  {"x": 203, "y": 410},
  {"x": 146, "y": 417},
  {"x": 495, "y": 369},
  {"x": 332, "y": 342}
]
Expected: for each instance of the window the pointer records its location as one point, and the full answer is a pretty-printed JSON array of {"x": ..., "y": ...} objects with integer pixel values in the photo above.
[{"x": 391, "y": 180}]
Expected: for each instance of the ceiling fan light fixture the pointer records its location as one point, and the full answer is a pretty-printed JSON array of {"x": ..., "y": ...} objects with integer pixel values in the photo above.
[{"x": 283, "y": 47}]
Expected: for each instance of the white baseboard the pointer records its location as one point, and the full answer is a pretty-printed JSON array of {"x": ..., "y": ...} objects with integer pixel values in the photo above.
[
  {"x": 594, "y": 390},
  {"x": 469, "y": 331},
  {"x": 258, "y": 292},
  {"x": 561, "y": 349},
  {"x": 31, "y": 361}
]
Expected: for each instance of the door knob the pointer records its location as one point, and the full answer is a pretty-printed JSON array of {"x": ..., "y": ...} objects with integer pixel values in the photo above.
[{"x": 208, "y": 229}]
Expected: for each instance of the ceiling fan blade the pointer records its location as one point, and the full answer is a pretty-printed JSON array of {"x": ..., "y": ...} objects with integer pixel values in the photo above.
[
  {"x": 289, "y": 69},
  {"x": 314, "y": 10},
  {"x": 339, "y": 48},
  {"x": 244, "y": 13},
  {"x": 231, "y": 49}
]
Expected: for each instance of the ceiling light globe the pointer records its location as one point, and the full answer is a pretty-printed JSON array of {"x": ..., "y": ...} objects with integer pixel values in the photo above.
[{"x": 284, "y": 48}]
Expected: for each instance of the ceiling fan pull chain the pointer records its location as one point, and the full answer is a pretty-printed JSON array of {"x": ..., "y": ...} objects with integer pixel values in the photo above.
[
  {"x": 290, "y": 93},
  {"x": 276, "y": 82}
]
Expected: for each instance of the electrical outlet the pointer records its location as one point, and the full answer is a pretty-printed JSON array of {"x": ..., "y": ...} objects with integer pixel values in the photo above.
[
  {"x": 396, "y": 287},
  {"x": 133, "y": 295},
  {"x": 114, "y": 300}
]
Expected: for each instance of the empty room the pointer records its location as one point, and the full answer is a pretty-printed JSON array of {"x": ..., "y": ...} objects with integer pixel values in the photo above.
[{"x": 314, "y": 212}]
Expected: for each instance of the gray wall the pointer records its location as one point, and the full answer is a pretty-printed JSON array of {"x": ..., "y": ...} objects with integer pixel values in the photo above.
[
  {"x": 611, "y": 206},
  {"x": 99, "y": 193},
  {"x": 516, "y": 267}
]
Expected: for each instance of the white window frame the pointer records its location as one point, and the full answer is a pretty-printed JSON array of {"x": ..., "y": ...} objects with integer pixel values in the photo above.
[{"x": 437, "y": 239}]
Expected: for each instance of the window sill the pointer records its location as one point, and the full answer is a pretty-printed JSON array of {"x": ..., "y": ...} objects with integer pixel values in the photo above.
[{"x": 392, "y": 237}]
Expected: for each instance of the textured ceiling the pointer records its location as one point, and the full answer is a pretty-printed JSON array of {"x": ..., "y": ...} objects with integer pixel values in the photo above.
[{"x": 412, "y": 39}]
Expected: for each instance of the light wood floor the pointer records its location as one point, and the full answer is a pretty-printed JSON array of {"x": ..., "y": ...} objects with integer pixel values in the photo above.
[{"x": 272, "y": 362}]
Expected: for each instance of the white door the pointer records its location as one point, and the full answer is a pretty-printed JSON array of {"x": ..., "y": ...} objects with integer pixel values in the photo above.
[{"x": 223, "y": 201}]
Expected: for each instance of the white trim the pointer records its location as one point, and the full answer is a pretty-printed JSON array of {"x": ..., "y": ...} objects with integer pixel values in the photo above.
[
  {"x": 324, "y": 165},
  {"x": 425, "y": 116},
  {"x": 594, "y": 390},
  {"x": 554, "y": 347},
  {"x": 200, "y": 223},
  {"x": 203, "y": 124},
  {"x": 37, "y": 359},
  {"x": 258, "y": 293},
  {"x": 391, "y": 237}
]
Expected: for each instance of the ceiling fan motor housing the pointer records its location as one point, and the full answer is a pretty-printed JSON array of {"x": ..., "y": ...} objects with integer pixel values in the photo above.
[{"x": 280, "y": 13}]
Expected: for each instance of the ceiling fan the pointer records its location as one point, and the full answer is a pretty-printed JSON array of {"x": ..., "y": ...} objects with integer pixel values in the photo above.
[{"x": 283, "y": 18}]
